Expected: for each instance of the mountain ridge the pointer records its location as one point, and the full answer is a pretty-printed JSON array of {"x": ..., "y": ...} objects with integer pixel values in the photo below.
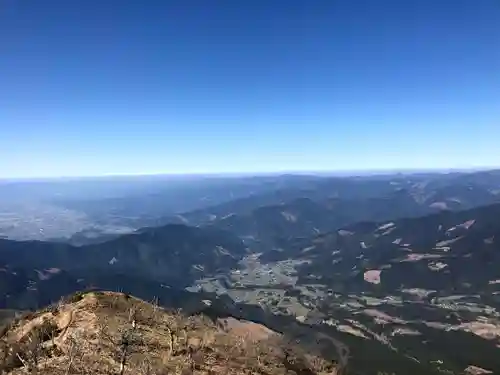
[{"x": 110, "y": 333}]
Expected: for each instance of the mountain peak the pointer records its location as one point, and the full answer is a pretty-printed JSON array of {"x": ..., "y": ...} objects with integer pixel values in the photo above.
[{"x": 114, "y": 333}]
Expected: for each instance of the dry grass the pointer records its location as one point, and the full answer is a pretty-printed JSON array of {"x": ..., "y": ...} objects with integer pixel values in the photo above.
[{"x": 112, "y": 333}]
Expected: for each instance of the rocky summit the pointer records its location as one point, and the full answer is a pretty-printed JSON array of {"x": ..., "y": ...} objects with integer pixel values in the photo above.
[{"x": 114, "y": 333}]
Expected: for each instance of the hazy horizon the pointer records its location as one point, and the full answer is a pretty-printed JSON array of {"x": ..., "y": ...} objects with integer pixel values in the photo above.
[
  {"x": 105, "y": 88},
  {"x": 338, "y": 173}
]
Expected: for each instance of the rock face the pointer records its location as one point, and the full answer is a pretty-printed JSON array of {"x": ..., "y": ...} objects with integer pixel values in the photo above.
[{"x": 113, "y": 333}]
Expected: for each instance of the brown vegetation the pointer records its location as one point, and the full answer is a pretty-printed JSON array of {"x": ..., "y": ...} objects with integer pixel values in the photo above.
[{"x": 112, "y": 333}]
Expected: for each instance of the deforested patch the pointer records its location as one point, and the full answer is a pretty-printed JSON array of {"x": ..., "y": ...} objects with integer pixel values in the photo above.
[{"x": 372, "y": 276}]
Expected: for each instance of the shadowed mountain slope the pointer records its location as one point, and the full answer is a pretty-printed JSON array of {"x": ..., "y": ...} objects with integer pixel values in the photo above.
[
  {"x": 449, "y": 251},
  {"x": 173, "y": 253},
  {"x": 426, "y": 288}
]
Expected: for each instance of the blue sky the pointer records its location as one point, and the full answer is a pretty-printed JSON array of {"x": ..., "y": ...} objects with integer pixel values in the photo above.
[{"x": 91, "y": 87}]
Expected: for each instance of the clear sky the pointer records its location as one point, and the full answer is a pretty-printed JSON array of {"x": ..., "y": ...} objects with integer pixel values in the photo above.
[{"x": 91, "y": 87}]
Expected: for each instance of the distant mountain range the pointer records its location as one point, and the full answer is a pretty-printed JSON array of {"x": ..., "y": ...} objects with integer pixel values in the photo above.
[
  {"x": 297, "y": 206},
  {"x": 404, "y": 267}
]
